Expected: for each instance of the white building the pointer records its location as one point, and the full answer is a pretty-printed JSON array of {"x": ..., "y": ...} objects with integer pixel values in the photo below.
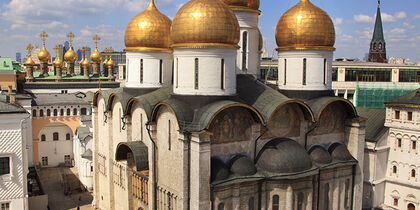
[
  {"x": 14, "y": 121},
  {"x": 392, "y": 160},
  {"x": 82, "y": 149}
]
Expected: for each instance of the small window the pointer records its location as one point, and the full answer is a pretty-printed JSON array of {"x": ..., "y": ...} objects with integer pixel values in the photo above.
[
  {"x": 67, "y": 136},
  {"x": 409, "y": 116},
  {"x": 394, "y": 169},
  {"x": 48, "y": 113},
  {"x": 196, "y": 74},
  {"x": 244, "y": 49},
  {"x": 83, "y": 111},
  {"x": 222, "y": 74},
  {"x": 399, "y": 142},
  {"x": 325, "y": 71},
  {"x": 141, "y": 70},
  {"x": 44, "y": 161},
  {"x": 74, "y": 111},
  {"x": 55, "y": 136},
  {"x": 275, "y": 205},
  {"x": 285, "y": 71},
  {"x": 33, "y": 113},
  {"x": 176, "y": 73},
  {"x": 91, "y": 168},
  {"x": 251, "y": 203},
  {"x": 68, "y": 112},
  {"x": 397, "y": 115},
  {"x": 55, "y": 113},
  {"x": 160, "y": 71},
  {"x": 304, "y": 72},
  {"x": 4, "y": 165},
  {"x": 221, "y": 206},
  {"x": 5, "y": 206},
  {"x": 169, "y": 135},
  {"x": 413, "y": 173},
  {"x": 41, "y": 113},
  {"x": 43, "y": 137},
  {"x": 395, "y": 201},
  {"x": 61, "y": 112},
  {"x": 413, "y": 145}
]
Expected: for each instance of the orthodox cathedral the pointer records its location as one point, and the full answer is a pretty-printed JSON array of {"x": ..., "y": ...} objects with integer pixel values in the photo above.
[{"x": 194, "y": 129}]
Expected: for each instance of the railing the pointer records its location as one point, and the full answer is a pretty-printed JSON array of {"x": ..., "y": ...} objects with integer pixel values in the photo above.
[{"x": 139, "y": 187}]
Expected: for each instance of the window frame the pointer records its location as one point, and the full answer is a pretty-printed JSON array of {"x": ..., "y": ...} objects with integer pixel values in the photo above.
[{"x": 10, "y": 164}]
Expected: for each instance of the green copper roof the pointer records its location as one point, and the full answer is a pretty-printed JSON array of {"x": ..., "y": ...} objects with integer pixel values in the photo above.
[
  {"x": 64, "y": 76},
  {"x": 375, "y": 124},
  {"x": 6, "y": 64},
  {"x": 412, "y": 98},
  {"x": 378, "y": 33}
]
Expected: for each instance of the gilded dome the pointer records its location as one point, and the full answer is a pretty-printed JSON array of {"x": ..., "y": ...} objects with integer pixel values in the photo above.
[
  {"x": 70, "y": 56},
  {"x": 43, "y": 55},
  {"x": 239, "y": 4},
  {"x": 148, "y": 31},
  {"x": 205, "y": 24},
  {"x": 305, "y": 27},
  {"x": 110, "y": 63},
  {"x": 29, "y": 62},
  {"x": 57, "y": 62},
  {"x": 96, "y": 56},
  {"x": 85, "y": 63}
]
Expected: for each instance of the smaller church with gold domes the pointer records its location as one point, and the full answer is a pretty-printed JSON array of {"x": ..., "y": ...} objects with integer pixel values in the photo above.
[{"x": 193, "y": 127}]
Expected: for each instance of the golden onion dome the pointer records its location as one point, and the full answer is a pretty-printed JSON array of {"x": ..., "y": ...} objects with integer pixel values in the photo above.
[
  {"x": 104, "y": 63},
  {"x": 96, "y": 56},
  {"x": 110, "y": 63},
  {"x": 148, "y": 31},
  {"x": 243, "y": 5},
  {"x": 43, "y": 55},
  {"x": 205, "y": 24},
  {"x": 305, "y": 27},
  {"x": 86, "y": 63},
  {"x": 29, "y": 62},
  {"x": 57, "y": 62},
  {"x": 70, "y": 56}
]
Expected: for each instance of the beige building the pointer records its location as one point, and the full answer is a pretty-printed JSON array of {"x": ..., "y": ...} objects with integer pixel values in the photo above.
[{"x": 213, "y": 136}]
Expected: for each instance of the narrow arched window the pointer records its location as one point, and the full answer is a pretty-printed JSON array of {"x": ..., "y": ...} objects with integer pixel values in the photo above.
[
  {"x": 68, "y": 112},
  {"x": 325, "y": 71},
  {"x": 196, "y": 74},
  {"x": 48, "y": 112},
  {"x": 41, "y": 113},
  {"x": 43, "y": 138},
  {"x": 326, "y": 196},
  {"x": 160, "y": 70},
  {"x": 67, "y": 136},
  {"x": 55, "y": 136},
  {"x": 285, "y": 71},
  {"x": 221, "y": 206},
  {"x": 275, "y": 205},
  {"x": 33, "y": 113},
  {"x": 413, "y": 173},
  {"x": 304, "y": 72},
  {"x": 83, "y": 111},
  {"x": 394, "y": 169},
  {"x": 55, "y": 112},
  {"x": 176, "y": 72},
  {"x": 141, "y": 70},
  {"x": 61, "y": 112},
  {"x": 251, "y": 203},
  {"x": 222, "y": 74},
  {"x": 244, "y": 49},
  {"x": 300, "y": 201},
  {"x": 74, "y": 111},
  {"x": 374, "y": 46}
]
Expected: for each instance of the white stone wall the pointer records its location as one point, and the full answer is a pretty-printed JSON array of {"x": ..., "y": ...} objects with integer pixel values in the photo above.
[
  {"x": 55, "y": 150},
  {"x": 248, "y": 22},
  {"x": 209, "y": 71},
  {"x": 316, "y": 79},
  {"x": 13, "y": 188},
  {"x": 83, "y": 165},
  {"x": 151, "y": 69}
]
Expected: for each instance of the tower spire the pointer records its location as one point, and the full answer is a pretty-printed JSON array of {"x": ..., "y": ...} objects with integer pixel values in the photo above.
[{"x": 377, "y": 52}]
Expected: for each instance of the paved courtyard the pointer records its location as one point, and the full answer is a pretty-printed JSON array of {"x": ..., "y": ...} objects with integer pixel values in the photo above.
[{"x": 51, "y": 181}]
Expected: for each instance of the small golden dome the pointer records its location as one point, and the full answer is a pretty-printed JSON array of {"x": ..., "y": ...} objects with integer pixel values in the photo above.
[
  {"x": 110, "y": 63},
  {"x": 85, "y": 63},
  {"x": 57, "y": 62},
  {"x": 29, "y": 62},
  {"x": 104, "y": 63},
  {"x": 205, "y": 24},
  {"x": 305, "y": 27},
  {"x": 96, "y": 56},
  {"x": 240, "y": 4},
  {"x": 70, "y": 56},
  {"x": 44, "y": 56},
  {"x": 148, "y": 31}
]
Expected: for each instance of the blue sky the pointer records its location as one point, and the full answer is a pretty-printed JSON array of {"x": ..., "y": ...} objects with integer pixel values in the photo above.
[{"x": 21, "y": 21}]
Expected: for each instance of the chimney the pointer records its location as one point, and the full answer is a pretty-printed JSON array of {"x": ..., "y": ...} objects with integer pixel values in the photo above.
[{"x": 12, "y": 96}]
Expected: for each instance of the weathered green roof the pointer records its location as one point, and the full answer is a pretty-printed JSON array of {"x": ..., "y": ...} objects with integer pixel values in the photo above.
[
  {"x": 64, "y": 76},
  {"x": 318, "y": 104},
  {"x": 83, "y": 132},
  {"x": 7, "y": 108},
  {"x": 375, "y": 124},
  {"x": 149, "y": 100},
  {"x": 6, "y": 64},
  {"x": 139, "y": 151},
  {"x": 412, "y": 98}
]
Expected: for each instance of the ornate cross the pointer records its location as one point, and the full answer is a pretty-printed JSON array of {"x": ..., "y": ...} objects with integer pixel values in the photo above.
[
  {"x": 96, "y": 38},
  {"x": 44, "y": 37},
  {"x": 71, "y": 37},
  {"x": 29, "y": 48},
  {"x": 57, "y": 48}
]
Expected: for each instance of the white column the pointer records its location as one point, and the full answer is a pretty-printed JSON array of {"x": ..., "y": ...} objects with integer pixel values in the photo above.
[{"x": 289, "y": 197}]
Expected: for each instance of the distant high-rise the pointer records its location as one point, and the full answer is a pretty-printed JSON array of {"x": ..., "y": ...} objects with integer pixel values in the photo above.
[
  {"x": 19, "y": 57},
  {"x": 66, "y": 45},
  {"x": 377, "y": 51}
]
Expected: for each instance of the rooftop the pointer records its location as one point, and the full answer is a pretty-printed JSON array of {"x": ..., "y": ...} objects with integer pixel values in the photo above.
[{"x": 42, "y": 99}]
